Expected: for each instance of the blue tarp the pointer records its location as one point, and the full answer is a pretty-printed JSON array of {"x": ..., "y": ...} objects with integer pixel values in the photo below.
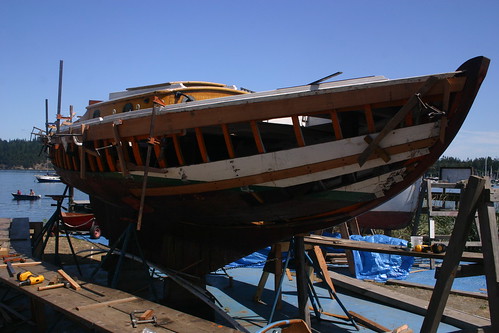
[{"x": 380, "y": 266}]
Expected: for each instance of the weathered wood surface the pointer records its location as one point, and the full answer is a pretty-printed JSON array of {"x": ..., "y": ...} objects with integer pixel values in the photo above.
[
  {"x": 424, "y": 286},
  {"x": 457, "y": 242},
  {"x": 383, "y": 248},
  {"x": 108, "y": 317},
  {"x": 404, "y": 302}
]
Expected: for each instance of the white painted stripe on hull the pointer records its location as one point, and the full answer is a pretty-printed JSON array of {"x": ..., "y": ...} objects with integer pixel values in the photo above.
[{"x": 297, "y": 157}]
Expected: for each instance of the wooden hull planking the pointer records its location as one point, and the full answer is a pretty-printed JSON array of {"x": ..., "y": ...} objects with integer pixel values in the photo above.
[{"x": 230, "y": 175}]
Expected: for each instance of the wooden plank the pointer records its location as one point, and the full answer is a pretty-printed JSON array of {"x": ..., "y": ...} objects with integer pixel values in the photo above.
[
  {"x": 273, "y": 175},
  {"x": 397, "y": 119},
  {"x": 345, "y": 234},
  {"x": 112, "y": 317},
  {"x": 244, "y": 110},
  {"x": 323, "y": 267},
  {"x": 257, "y": 137},
  {"x": 383, "y": 248},
  {"x": 228, "y": 141},
  {"x": 119, "y": 148},
  {"x": 72, "y": 282},
  {"x": 404, "y": 302},
  {"x": 298, "y": 133},
  {"x": 107, "y": 303},
  {"x": 369, "y": 118},
  {"x": 301, "y": 279},
  {"x": 22, "y": 264},
  {"x": 178, "y": 150},
  {"x": 368, "y": 323},
  {"x": 427, "y": 287},
  {"x": 201, "y": 145},
  {"x": 336, "y": 125},
  {"x": 490, "y": 249},
  {"x": 462, "y": 227}
]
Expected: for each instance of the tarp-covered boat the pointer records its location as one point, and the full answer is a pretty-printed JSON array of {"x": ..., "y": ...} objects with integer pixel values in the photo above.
[{"x": 212, "y": 173}]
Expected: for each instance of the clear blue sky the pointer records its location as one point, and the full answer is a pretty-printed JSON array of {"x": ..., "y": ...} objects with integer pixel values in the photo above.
[{"x": 109, "y": 45}]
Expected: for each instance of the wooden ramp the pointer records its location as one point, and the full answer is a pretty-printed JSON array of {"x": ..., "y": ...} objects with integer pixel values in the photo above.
[{"x": 93, "y": 306}]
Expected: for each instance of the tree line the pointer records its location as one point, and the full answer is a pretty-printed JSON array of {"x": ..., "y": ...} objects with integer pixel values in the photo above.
[
  {"x": 22, "y": 154},
  {"x": 28, "y": 154}
]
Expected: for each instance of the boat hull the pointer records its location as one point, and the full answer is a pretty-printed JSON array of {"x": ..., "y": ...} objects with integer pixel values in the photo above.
[
  {"x": 210, "y": 181},
  {"x": 26, "y": 196}
]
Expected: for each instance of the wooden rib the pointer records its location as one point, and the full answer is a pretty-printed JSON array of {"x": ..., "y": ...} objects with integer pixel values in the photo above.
[
  {"x": 82, "y": 162},
  {"x": 136, "y": 152},
  {"x": 257, "y": 137},
  {"x": 336, "y": 125},
  {"x": 91, "y": 162},
  {"x": 228, "y": 141},
  {"x": 68, "y": 160},
  {"x": 201, "y": 145},
  {"x": 178, "y": 151},
  {"x": 100, "y": 165},
  {"x": 280, "y": 174},
  {"x": 109, "y": 158},
  {"x": 75, "y": 163},
  {"x": 369, "y": 118},
  {"x": 119, "y": 149},
  {"x": 395, "y": 120},
  {"x": 159, "y": 158},
  {"x": 298, "y": 133}
]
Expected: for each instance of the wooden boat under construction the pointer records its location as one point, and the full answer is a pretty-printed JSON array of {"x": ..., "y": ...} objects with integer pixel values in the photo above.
[{"x": 211, "y": 173}]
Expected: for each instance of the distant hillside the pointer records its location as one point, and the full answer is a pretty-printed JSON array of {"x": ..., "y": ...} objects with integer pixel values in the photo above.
[{"x": 22, "y": 154}]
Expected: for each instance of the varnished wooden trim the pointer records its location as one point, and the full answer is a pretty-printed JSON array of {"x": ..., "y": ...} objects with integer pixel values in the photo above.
[
  {"x": 228, "y": 141},
  {"x": 257, "y": 137},
  {"x": 119, "y": 148},
  {"x": 201, "y": 145},
  {"x": 178, "y": 150},
  {"x": 136, "y": 152},
  {"x": 336, "y": 125},
  {"x": 298, "y": 133},
  {"x": 369, "y": 118}
]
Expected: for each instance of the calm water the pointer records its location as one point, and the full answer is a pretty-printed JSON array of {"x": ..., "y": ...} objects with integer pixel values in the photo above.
[{"x": 36, "y": 210}]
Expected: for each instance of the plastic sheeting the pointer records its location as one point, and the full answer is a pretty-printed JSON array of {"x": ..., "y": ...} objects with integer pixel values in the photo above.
[{"x": 381, "y": 266}]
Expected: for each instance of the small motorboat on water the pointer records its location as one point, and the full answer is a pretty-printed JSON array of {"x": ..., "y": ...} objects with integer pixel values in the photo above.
[{"x": 18, "y": 196}]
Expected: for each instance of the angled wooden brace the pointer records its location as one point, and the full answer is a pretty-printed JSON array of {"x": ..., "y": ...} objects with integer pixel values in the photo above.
[{"x": 393, "y": 123}]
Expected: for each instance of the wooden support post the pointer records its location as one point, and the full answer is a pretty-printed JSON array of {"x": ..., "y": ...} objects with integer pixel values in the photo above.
[
  {"x": 38, "y": 314},
  {"x": 345, "y": 234},
  {"x": 323, "y": 267},
  {"x": 490, "y": 249},
  {"x": 278, "y": 272},
  {"x": 462, "y": 226},
  {"x": 301, "y": 280}
]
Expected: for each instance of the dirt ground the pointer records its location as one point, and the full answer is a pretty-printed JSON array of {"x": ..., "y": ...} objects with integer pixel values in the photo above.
[{"x": 84, "y": 249}]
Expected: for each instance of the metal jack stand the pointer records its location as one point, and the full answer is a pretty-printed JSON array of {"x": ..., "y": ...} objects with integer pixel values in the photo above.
[
  {"x": 55, "y": 222},
  {"x": 129, "y": 232},
  {"x": 303, "y": 279}
]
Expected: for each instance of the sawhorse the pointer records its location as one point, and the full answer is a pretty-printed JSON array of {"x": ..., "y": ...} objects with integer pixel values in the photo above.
[{"x": 478, "y": 195}]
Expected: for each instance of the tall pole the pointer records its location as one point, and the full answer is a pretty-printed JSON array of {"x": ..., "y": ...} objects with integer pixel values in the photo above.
[
  {"x": 59, "y": 96},
  {"x": 46, "y": 116}
]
